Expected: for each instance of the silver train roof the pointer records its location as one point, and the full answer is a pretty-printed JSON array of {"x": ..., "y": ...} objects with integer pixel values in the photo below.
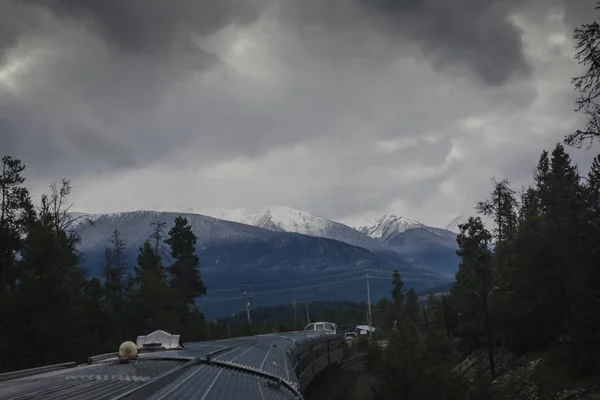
[{"x": 256, "y": 367}]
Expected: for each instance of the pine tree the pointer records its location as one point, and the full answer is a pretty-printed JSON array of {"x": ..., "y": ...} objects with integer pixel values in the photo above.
[
  {"x": 184, "y": 270},
  {"x": 501, "y": 207},
  {"x": 149, "y": 299},
  {"x": 115, "y": 271},
  {"x": 51, "y": 299},
  {"x": 541, "y": 178},
  {"x": 15, "y": 209},
  {"x": 473, "y": 280}
]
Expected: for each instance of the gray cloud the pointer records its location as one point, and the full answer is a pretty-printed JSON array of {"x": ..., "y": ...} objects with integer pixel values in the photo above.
[
  {"x": 154, "y": 27},
  {"x": 316, "y": 99},
  {"x": 458, "y": 35}
]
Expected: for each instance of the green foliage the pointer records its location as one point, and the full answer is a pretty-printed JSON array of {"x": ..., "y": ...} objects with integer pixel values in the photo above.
[
  {"x": 540, "y": 284},
  {"x": 416, "y": 365},
  {"x": 54, "y": 312},
  {"x": 186, "y": 284}
]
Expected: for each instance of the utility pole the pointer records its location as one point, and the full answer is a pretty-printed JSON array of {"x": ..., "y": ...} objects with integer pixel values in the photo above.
[
  {"x": 245, "y": 293},
  {"x": 295, "y": 316},
  {"x": 307, "y": 315},
  {"x": 369, "y": 305}
]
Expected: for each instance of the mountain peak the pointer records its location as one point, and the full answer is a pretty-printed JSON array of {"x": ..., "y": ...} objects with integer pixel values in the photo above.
[
  {"x": 283, "y": 218},
  {"x": 387, "y": 225}
]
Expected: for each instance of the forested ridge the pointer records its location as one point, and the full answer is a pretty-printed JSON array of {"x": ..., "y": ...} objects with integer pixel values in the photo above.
[{"x": 53, "y": 312}]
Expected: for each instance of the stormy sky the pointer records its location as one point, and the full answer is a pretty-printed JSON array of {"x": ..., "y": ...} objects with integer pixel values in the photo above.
[{"x": 343, "y": 108}]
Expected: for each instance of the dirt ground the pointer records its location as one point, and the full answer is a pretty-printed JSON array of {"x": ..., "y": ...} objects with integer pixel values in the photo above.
[{"x": 350, "y": 383}]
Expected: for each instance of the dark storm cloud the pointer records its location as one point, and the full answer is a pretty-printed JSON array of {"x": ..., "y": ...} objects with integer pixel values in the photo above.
[
  {"x": 123, "y": 81},
  {"x": 154, "y": 26},
  {"x": 472, "y": 32},
  {"x": 463, "y": 34},
  {"x": 15, "y": 20}
]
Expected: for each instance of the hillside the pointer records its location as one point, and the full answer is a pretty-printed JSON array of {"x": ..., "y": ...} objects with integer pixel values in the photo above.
[
  {"x": 286, "y": 219},
  {"x": 233, "y": 254},
  {"x": 423, "y": 246},
  {"x": 387, "y": 236}
]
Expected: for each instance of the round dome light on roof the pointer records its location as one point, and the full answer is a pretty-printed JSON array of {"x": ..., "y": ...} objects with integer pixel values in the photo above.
[{"x": 128, "y": 351}]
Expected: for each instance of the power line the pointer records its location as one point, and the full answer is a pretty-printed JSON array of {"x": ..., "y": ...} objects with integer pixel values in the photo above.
[
  {"x": 294, "y": 281},
  {"x": 328, "y": 284},
  {"x": 320, "y": 285},
  {"x": 360, "y": 271},
  {"x": 307, "y": 287}
]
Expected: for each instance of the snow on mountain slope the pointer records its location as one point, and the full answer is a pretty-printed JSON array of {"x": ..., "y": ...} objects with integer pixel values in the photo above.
[
  {"x": 281, "y": 218},
  {"x": 135, "y": 228},
  {"x": 233, "y": 214},
  {"x": 423, "y": 246},
  {"x": 386, "y": 226},
  {"x": 286, "y": 219}
]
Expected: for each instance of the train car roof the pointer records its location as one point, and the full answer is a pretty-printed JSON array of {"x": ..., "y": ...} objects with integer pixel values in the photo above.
[{"x": 257, "y": 367}]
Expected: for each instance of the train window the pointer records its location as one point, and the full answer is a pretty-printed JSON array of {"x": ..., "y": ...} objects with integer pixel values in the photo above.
[
  {"x": 303, "y": 363},
  {"x": 319, "y": 352}
]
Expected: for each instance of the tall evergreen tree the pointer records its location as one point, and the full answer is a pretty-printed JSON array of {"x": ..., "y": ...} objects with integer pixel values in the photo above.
[
  {"x": 502, "y": 207},
  {"x": 185, "y": 275},
  {"x": 149, "y": 299},
  {"x": 51, "y": 297},
  {"x": 15, "y": 209},
  {"x": 115, "y": 271},
  {"x": 473, "y": 280}
]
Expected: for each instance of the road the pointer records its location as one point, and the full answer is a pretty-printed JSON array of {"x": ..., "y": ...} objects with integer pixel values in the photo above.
[{"x": 351, "y": 382}]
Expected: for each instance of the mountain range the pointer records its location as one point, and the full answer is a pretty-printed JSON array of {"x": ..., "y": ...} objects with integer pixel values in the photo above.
[
  {"x": 422, "y": 246},
  {"x": 285, "y": 254}
]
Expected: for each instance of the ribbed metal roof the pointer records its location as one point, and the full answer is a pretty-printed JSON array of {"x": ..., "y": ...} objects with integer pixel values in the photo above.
[
  {"x": 101, "y": 381},
  {"x": 208, "y": 382},
  {"x": 257, "y": 367}
]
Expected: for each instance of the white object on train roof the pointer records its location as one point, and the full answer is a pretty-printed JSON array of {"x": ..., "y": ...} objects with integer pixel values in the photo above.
[
  {"x": 328, "y": 327},
  {"x": 158, "y": 339}
]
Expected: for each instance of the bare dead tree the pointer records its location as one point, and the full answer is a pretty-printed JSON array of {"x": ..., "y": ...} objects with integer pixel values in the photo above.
[{"x": 588, "y": 85}]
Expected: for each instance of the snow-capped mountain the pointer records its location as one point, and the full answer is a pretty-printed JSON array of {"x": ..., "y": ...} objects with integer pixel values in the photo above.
[
  {"x": 423, "y": 246},
  {"x": 397, "y": 238},
  {"x": 386, "y": 226},
  {"x": 286, "y": 219},
  {"x": 232, "y": 254}
]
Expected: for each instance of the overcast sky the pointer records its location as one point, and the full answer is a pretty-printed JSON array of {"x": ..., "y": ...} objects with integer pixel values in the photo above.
[{"x": 343, "y": 108}]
